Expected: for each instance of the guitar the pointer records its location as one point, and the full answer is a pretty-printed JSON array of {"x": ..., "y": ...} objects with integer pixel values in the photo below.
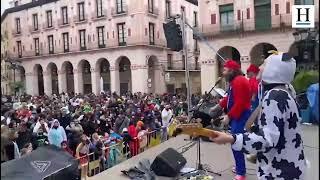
[{"x": 194, "y": 129}]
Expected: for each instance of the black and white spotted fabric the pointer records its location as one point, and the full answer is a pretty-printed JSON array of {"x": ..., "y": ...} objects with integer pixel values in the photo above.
[{"x": 277, "y": 143}]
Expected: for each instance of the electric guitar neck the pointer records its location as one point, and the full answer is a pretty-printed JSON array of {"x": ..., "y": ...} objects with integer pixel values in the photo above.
[{"x": 195, "y": 130}]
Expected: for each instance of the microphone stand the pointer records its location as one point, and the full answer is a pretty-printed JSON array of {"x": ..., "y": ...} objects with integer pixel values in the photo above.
[{"x": 199, "y": 164}]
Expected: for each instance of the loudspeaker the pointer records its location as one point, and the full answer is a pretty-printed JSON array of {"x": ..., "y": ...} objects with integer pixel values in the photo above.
[{"x": 168, "y": 163}]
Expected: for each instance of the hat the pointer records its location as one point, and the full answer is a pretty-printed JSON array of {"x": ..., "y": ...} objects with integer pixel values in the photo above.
[
  {"x": 279, "y": 69},
  {"x": 253, "y": 68},
  {"x": 140, "y": 123},
  {"x": 124, "y": 130},
  {"x": 231, "y": 64}
]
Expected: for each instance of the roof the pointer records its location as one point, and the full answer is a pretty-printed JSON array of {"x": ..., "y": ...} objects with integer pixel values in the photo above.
[{"x": 25, "y": 6}]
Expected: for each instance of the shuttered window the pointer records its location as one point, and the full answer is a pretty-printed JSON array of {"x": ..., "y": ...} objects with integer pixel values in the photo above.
[
  {"x": 276, "y": 9},
  {"x": 288, "y": 7},
  {"x": 262, "y": 12},
  {"x": 213, "y": 18},
  {"x": 226, "y": 17}
]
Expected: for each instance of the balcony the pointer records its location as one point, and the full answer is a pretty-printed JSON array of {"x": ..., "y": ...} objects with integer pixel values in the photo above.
[
  {"x": 153, "y": 13},
  {"x": 15, "y": 33},
  {"x": 33, "y": 30},
  {"x": 45, "y": 26},
  {"x": 95, "y": 17},
  {"x": 216, "y": 29},
  {"x": 61, "y": 24},
  {"x": 123, "y": 12},
  {"x": 76, "y": 19}
]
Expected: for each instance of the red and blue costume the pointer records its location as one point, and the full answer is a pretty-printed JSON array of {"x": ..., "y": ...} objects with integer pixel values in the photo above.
[
  {"x": 254, "y": 85},
  {"x": 237, "y": 104}
]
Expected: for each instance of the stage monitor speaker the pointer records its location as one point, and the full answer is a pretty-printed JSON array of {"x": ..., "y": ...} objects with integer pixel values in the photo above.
[{"x": 168, "y": 163}]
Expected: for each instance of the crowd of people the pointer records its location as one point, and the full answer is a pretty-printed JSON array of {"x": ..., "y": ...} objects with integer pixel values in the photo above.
[{"x": 82, "y": 124}]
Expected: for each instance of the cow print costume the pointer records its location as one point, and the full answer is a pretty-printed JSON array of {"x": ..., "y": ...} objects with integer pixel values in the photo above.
[{"x": 277, "y": 143}]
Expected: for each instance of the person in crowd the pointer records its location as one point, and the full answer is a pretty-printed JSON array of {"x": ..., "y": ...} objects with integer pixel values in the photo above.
[
  {"x": 4, "y": 142},
  {"x": 121, "y": 122},
  {"x": 41, "y": 124},
  {"x": 237, "y": 104},
  {"x": 65, "y": 117},
  {"x": 126, "y": 141},
  {"x": 64, "y": 146},
  {"x": 82, "y": 153},
  {"x": 27, "y": 149},
  {"x": 24, "y": 135},
  {"x": 41, "y": 138},
  {"x": 56, "y": 134},
  {"x": 11, "y": 148},
  {"x": 142, "y": 136},
  {"x": 277, "y": 140},
  {"x": 166, "y": 116},
  {"x": 252, "y": 73},
  {"x": 75, "y": 133}
]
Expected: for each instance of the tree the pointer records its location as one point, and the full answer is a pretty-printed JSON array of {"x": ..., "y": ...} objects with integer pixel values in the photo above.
[
  {"x": 16, "y": 86},
  {"x": 304, "y": 79}
]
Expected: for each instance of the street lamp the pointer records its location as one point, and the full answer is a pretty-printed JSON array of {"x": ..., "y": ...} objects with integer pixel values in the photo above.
[{"x": 14, "y": 65}]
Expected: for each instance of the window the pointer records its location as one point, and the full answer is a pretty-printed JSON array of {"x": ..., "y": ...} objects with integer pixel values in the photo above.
[
  {"x": 196, "y": 61},
  {"x": 239, "y": 15},
  {"x": 49, "y": 18},
  {"x": 65, "y": 37},
  {"x": 248, "y": 13},
  {"x": 226, "y": 17},
  {"x": 19, "y": 49},
  {"x": 50, "y": 44},
  {"x": 18, "y": 26},
  {"x": 213, "y": 18},
  {"x": 276, "y": 7},
  {"x": 151, "y": 33},
  {"x": 121, "y": 34},
  {"x": 120, "y": 6},
  {"x": 82, "y": 34},
  {"x": 168, "y": 8},
  {"x": 81, "y": 11},
  {"x": 169, "y": 56},
  {"x": 303, "y": 2},
  {"x": 35, "y": 22},
  {"x": 64, "y": 11},
  {"x": 183, "y": 62},
  {"x": 36, "y": 46},
  {"x": 195, "y": 19},
  {"x": 99, "y": 8},
  {"x": 288, "y": 7},
  {"x": 150, "y": 6},
  {"x": 101, "y": 37}
]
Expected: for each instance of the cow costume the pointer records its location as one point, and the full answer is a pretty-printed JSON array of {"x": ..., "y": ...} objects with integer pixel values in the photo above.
[{"x": 277, "y": 142}]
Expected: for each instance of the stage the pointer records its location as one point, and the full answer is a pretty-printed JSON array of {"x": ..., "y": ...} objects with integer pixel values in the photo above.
[{"x": 218, "y": 157}]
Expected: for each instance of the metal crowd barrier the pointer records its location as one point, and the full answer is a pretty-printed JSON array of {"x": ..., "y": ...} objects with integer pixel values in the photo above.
[{"x": 117, "y": 153}]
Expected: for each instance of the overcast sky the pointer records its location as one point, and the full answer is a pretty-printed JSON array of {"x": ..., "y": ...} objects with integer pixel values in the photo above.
[{"x": 4, "y": 5}]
